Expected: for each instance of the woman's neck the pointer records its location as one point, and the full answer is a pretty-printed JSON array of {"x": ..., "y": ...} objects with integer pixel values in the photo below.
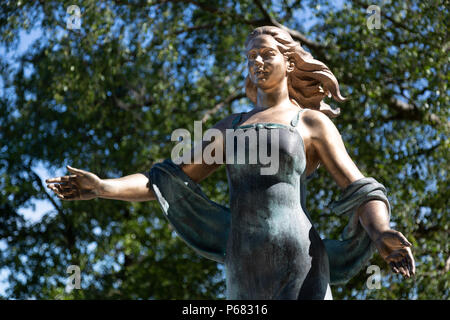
[{"x": 272, "y": 97}]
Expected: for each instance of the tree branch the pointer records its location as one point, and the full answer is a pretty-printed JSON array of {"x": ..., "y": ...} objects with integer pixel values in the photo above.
[
  {"x": 404, "y": 108},
  {"x": 194, "y": 28},
  {"x": 289, "y": 10},
  {"x": 294, "y": 33},
  {"x": 236, "y": 95},
  {"x": 42, "y": 187},
  {"x": 409, "y": 111},
  {"x": 394, "y": 22},
  {"x": 267, "y": 20}
]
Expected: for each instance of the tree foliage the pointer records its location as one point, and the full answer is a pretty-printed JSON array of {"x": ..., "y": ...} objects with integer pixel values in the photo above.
[{"x": 106, "y": 98}]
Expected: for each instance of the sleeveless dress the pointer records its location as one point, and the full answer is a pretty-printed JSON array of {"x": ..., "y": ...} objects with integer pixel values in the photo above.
[
  {"x": 273, "y": 250},
  {"x": 266, "y": 239}
]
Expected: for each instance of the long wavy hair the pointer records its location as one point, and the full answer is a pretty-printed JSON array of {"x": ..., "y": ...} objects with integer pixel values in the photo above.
[{"x": 309, "y": 82}]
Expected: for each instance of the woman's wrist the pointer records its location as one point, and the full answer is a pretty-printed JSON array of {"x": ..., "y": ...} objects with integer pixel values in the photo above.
[
  {"x": 377, "y": 232},
  {"x": 105, "y": 189},
  {"x": 374, "y": 217}
]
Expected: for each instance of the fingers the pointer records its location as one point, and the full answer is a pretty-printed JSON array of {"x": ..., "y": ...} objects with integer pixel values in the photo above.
[
  {"x": 395, "y": 239},
  {"x": 410, "y": 262},
  {"x": 61, "y": 179},
  {"x": 401, "y": 268},
  {"x": 398, "y": 267},
  {"x": 407, "y": 264},
  {"x": 404, "y": 268},
  {"x": 61, "y": 187},
  {"x": 403, "y": 240},
  {"x": 56, "y": 189},
  {"x": 402, "y": 261},
  {"x": 65, "y": 191},
  {"x": 409, "y": 258},
  {"x": 394, "y": 267},
  {"x": 68, "y": 198},
  {"x": 76, "y": 171}
]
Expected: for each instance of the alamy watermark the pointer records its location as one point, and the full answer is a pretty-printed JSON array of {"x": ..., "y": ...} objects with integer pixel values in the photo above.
[
  {"x": 74, "y": 20},
  {"x": 374, "y": 20},
  {"x": 373, "y": 281},
  {"x": 73, "y": 281},
  {"x": 241, "y": 147}
]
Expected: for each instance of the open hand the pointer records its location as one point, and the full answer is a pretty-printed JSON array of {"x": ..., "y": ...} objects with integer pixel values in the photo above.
[
  {"x": 395, "y": 249},
  {"x": 81, "y": 185}
]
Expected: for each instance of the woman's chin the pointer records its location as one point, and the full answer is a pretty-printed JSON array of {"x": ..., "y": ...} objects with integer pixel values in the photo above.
[
  {"x": 260, "y": 82},
  {"x": 264, "y": 85}
]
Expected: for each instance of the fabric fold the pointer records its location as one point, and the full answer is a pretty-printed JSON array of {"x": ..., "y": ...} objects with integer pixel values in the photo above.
[
  {"x": 200, "y": 222},
  {"x": 204, "y": 225},
  {"x": 350, "y": 254}
]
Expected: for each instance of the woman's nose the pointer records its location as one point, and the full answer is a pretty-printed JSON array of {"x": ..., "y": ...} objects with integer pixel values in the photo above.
[{"x": 259, "y": 61}]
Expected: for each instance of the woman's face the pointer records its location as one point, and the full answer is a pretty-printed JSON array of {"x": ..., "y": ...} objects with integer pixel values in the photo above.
[{"x": 266, "y": 64}]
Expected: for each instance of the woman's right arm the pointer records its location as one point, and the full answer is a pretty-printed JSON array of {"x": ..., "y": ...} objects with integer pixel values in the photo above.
[
  {"x": 135, "y": 187},
  {"x": 85, "y": 185},
  {"x": 199, "y": 171}
]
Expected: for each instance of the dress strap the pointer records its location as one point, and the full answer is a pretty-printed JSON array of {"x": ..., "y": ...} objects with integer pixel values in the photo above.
[
  {"x": 294, "y": 121},
  {"x": 237, "y": 120}
]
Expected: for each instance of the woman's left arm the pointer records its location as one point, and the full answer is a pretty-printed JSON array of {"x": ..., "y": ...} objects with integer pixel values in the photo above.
[{"x": 329, "y": 149}]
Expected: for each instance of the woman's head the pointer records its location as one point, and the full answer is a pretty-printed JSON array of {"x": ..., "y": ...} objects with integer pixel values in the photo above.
[
  {"x": 309, "y": 81},
  {"x": 267, "y": 66}
]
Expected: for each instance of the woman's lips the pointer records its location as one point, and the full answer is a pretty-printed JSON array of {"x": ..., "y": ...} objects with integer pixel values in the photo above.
[{"x": 260, "y": 74}]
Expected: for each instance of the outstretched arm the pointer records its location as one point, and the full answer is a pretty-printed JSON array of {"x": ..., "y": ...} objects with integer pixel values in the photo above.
[
  {"x": 199, "y": 171},
  {"x": 327, "y": 146},
  {"x": 85, "y": 185}
]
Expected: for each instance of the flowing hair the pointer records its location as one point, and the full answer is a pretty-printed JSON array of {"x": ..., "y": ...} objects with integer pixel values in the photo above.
[{"x": 309, "y": 82}]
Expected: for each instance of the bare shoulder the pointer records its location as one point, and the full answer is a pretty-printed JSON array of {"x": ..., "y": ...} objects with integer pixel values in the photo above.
[
  {"x": 227, "y": 122},
  {"x": 318, "y": 124},
  {"x": 314, "y": 118}
]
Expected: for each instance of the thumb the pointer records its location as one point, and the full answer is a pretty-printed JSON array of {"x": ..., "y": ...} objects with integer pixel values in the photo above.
[
  {"x": 403, "y": 240},
  {"x": 76, "y": 171}
]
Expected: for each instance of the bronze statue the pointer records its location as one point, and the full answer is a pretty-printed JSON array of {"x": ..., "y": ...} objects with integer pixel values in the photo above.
[{"x": 266, "y": 239}]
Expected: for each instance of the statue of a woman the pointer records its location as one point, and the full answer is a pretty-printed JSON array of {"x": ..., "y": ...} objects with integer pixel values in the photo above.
[{"x": 266, "y": 239}]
